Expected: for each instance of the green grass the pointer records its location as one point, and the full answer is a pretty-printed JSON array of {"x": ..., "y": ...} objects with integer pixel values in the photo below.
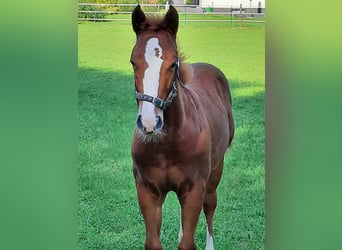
[{"x": 109, "y": 216}]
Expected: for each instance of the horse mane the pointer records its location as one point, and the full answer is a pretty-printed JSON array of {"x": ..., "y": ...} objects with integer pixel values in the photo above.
[{"x": 181, "y": 56}]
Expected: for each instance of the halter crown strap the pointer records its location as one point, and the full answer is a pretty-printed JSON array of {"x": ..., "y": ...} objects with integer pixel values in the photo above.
[{"x": 158, "y": 102}]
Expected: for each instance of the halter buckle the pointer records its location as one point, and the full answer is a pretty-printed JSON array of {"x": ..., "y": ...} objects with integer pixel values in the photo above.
[{"x": 158, "y": 102}]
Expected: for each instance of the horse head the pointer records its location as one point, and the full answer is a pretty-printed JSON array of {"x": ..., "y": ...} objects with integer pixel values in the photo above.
[{"x": 155, "y": 63}]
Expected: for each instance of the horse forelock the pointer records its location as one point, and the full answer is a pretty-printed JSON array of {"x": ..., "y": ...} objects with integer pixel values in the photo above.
[{"x": 153, "y": 23}]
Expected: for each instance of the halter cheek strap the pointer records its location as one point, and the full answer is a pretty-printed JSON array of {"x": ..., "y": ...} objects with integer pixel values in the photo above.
[{"x": 158, "y": 102}]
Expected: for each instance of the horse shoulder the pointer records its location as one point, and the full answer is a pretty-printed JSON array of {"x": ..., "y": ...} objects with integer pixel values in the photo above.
[{"x": 210, "y": 94}]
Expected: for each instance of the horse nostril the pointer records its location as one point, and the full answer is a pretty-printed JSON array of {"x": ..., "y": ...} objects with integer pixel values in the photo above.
[
  {"x": 148, "y": 132},
  {"x": 159, "y": 125}
]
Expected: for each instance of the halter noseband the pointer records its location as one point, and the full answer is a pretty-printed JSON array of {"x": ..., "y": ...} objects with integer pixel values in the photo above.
[{"x": 158, "y": 102}]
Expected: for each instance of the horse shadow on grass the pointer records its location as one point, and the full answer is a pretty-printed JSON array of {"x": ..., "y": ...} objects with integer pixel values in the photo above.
[{"x": 108, "y": 213}]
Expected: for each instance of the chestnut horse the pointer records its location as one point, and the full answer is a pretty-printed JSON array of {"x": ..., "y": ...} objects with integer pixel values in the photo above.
[{"x": 183, "y": 128}]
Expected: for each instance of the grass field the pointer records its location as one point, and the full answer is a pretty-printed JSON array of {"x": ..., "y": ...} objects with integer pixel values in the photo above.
[{"x": 109, "y": 216}]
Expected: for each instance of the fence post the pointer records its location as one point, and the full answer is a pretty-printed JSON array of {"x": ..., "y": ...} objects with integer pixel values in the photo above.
[
  {"x": 240, "y": 15},
  {"x": 186, "y": 8},
  {"x": 231, "y": 16}
]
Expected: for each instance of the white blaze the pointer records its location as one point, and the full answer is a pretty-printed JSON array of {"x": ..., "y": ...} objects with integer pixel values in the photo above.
[{"x": 153, "y": 55}]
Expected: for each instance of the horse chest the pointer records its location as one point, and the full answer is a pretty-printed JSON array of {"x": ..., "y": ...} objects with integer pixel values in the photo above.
[
  {"x": 172, "y": 166},
  {"x": 165, "y": 157},
  {"x": 162, "y": 176},
  {"x": 170, "y": 152}
]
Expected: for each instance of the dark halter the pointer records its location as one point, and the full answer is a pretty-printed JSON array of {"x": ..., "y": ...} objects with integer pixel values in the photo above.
[{"x": 158, "y": 102}]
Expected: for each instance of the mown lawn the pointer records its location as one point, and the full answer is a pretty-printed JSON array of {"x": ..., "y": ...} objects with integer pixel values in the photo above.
[{"x": 109, "y": 216}]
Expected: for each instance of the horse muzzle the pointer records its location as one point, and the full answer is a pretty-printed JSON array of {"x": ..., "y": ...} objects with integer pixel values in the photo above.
[{"x": 148, "y": 126}]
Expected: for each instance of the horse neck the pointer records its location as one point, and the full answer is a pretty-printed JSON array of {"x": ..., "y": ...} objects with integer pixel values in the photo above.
[{"x": 175, "y": 113}]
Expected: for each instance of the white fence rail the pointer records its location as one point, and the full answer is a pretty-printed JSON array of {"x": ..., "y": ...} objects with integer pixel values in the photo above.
[{"x": 121, "y": 12}]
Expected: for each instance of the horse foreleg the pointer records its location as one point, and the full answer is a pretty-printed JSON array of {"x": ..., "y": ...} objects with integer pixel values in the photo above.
[
  {"x": 191, "y": 204},
  {"x": 151, "y": 209}
]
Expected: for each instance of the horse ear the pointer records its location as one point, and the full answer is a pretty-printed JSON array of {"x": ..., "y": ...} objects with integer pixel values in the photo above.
[
  {"x": 138, "y": 18},
  {"x": 171, "y": 20}
]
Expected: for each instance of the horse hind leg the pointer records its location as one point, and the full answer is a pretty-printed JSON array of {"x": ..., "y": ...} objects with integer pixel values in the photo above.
[
  {"x": 209, "y": 210},
  {"x": 210, "y": 203}
]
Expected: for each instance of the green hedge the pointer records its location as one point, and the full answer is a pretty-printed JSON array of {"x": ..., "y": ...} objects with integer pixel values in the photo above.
[
  {"x": 90, "y": 15},
  {"x": 113, "y": 9}
]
